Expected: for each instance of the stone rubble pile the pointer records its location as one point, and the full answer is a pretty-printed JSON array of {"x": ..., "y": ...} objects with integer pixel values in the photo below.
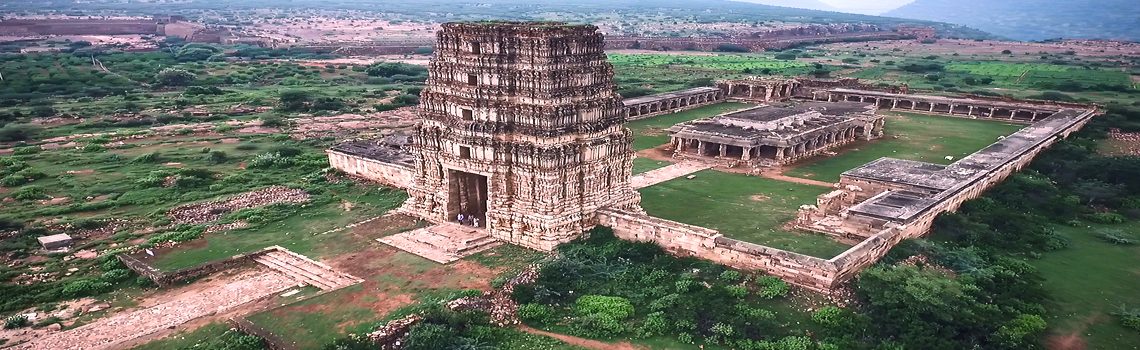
[{"x": 200, "y": 213}]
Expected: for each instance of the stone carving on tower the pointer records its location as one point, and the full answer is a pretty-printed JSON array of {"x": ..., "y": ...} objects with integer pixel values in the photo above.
[{"x": 521, "y": 129}]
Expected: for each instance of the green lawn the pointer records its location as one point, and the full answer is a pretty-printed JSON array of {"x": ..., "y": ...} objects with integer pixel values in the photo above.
[
  {"x": 649, "y": 133},
  {"x": 1090, "y": 280},
  {"x": 641, "y": 165},
  {"x": 915, "y": 137},
  {"x": 201, "y": 337},
  {"x": 299, "y": 232},
  {"x": 743, "y": 207}
]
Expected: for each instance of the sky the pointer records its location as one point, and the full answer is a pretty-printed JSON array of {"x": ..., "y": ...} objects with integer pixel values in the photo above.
[{"x": 866, "y": 6}]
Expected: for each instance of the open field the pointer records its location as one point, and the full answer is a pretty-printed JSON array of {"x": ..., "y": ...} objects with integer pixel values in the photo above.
[
  {"x": 1030, "y": 74},
  {"x": 642, "y": 164},
  {"x": 747, "y": 208},
  {"x": 649, "y": 133},
  {"x": 719, "y": 62},
  {"x": 1089, "y": 281},
  {"x": 911, "y": 136}
]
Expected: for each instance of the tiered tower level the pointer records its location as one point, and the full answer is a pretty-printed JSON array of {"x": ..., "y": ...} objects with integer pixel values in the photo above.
[{"x": 522, "y": 129}]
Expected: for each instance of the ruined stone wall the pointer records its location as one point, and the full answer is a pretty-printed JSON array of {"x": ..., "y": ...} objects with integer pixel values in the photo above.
[
  {"x": 172, "y": 278},
  {"x": 82, "y": 27},
  {"x": 391, "y": 174},
  {"x": 685, "y": 240},
  {"x": 752, "y": 43}
]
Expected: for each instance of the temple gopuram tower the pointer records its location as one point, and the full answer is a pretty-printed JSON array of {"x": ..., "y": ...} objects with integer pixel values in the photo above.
[{"x": 521, "y": 129}]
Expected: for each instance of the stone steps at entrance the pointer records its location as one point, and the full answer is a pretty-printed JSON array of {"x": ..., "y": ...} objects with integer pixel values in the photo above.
[
  {"x": 443, "y": 243},
  {"x": 305, "y": 270}
]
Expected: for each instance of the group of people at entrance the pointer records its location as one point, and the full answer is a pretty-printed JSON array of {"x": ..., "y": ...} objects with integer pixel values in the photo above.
[{"x": 469, "y": 220}]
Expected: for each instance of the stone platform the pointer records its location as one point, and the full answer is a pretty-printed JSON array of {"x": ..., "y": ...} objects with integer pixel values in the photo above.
[
  {"x": 305, "y": 270},
  {"x": 443, "y": 243}
]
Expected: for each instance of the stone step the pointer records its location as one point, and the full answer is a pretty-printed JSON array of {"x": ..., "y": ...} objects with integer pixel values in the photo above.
[
  {"x": 326, "y": 273},
  {"x": 295, "y": 272}
]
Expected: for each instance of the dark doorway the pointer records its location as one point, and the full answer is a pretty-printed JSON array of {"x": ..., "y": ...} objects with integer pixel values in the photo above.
[{"x": 468, "y": 196}]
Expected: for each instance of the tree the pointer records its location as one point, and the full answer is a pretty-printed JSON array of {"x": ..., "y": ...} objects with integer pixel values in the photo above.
[
  {"x": 294, "y": 100},
  {"x": 174, "y": 77},
  {"x": 732, "y": 48}
]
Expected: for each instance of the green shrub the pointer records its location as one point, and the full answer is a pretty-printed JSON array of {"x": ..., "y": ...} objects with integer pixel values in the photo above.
[
  {"x": 535, "y": 313},
  {"x": 21, "y": 151},
  {"x": 1131, "y": 323},
  {"x": 596, "y": 326},
  {"x": 85, "y": 287},
  {"x": 1116, "y": 237},
  {"x": 269, "y": 160},
  {"x": 828, "y": 316},
  {"x": 217, "y": 157},
  {"x": 737, "y": 291},
  {"x": 772, "y": 287},
  {"x": 655, "y": 324},
  {"x": 615, "y": 307},
  {"x": 152, "y": 157},
  {"x": 1105, "y": 218},
  {"x": 180, "y": 233},
  {"x": 29, "y": 193},
  {"x": 13, "y": 180},
  {"x": 15, "y": 321},
  {"x": 93, "y": 148},
  {"x": 730, "y": 276}
]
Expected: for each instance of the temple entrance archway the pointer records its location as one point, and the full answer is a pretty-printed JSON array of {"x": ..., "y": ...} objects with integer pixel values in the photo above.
[{"x": 468, "y": 196}]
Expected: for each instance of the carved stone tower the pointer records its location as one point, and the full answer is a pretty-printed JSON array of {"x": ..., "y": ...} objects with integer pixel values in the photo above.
[{"x": 521, "y": 129}]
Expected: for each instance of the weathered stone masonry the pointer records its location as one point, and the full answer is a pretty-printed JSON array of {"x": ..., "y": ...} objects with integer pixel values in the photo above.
[{"x": 522, "y": 128}]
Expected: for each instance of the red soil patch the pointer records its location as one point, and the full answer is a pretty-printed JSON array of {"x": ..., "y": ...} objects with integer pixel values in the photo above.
[
  {"x": 1066, "y": 342},
  {"x": 231, "y": 140},
  {"x": 81, "y": 172},
  {"x": 258, "y": 130}
]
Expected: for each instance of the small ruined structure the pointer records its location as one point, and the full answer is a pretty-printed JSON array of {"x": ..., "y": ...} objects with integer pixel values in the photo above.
[
  {"x": 670, "y": 102},
  {"x": 521, "y": 130},
  {"x": 770, "y": 135},
  {"x": 53, "y": 242},
  {"x": 758, "y": 89}
]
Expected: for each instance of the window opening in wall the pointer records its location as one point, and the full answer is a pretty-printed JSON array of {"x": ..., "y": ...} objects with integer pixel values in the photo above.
[
  {"x": 464, "y": 152},
  {"x": 475, "y": 49},
  {"x": 472, "y": 79},
  {"x": 467, "y": 114}
]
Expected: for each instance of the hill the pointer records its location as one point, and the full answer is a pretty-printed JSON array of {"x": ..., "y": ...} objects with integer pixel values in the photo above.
[
  {"x": 587, "y": 11},
  {"x": 1034, "y": 19},
  {"x": 800, "y": 4}
]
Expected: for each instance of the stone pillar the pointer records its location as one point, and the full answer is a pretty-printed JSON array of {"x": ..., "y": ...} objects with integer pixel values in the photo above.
[
  {"x": 932, "y": 107},
  {"x": 767, "y": 94},
  {"x": 780, "y": 153},
  {"x": 971, "y": 113},
  {"x": 701, "y": 148},
  {"x": 750, "y": 92},
  {"x": 747, "y": 154},
  {"x": 723, "y": 150},
  {"x": 894, "y": 103},
  {"x": 952, "y": 108}
]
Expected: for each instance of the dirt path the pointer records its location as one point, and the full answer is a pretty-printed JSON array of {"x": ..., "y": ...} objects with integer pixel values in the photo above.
[
  {"x": 667, "y": 173},
  {"x": 169, "y": 312},
  {"x": 587, "y": 343}
]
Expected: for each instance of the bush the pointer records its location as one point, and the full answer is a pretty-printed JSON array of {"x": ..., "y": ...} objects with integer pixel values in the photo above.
[
  {"x": 1132, "y": 323},
  {"x": 730, "y": 276},
  {"x": 18, "y": 132},
  {"x": 15, "y": 321},
  {"x": 13, "y": 180},
  {"x": 85, "y": 287},
  {"x": 29, "y": 193},
  {"x": 23, "y": 151},
  {"x": 217, "y": 157},
  {"x": 772, "y": 287},
  {"x": 174, "y": 77},
  {"x": 1105, "y": 218},
  {"x": 615, "y": 307},
  {"x": 269, "y": 160},
  {"x": 535, "y": 313},
  {"x": 597, "y": 326},
  {"x": 180, "y": 233},
  {"x": 737, "y": 291},
  {"x": 1116, "y": 237}
]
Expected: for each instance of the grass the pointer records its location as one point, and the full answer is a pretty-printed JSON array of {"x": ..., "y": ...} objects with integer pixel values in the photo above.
[
  {"x": 188, "y": 340},
  {"x": 915, "y": 137},
  {"x": 641, "y": 165},
  {"x": 649, "y": 133},
  {"x": 1088, "y": 281},
  {"x": 299, "y": 232},
  {"x": 747, "y": 208},
  {"x": 311, "y": 323}
]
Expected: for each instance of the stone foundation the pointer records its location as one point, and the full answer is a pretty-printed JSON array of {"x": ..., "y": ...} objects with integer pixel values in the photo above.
[{"x": 391, "y": 174}]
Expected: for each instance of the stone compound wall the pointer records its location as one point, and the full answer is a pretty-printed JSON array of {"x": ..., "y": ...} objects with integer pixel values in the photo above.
[
  {"x": 172, "y": 278},
  {"x": 390, "y": 174},
  {"x": 809, "y": 272},
  {"x": 687, "y": 240}
]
